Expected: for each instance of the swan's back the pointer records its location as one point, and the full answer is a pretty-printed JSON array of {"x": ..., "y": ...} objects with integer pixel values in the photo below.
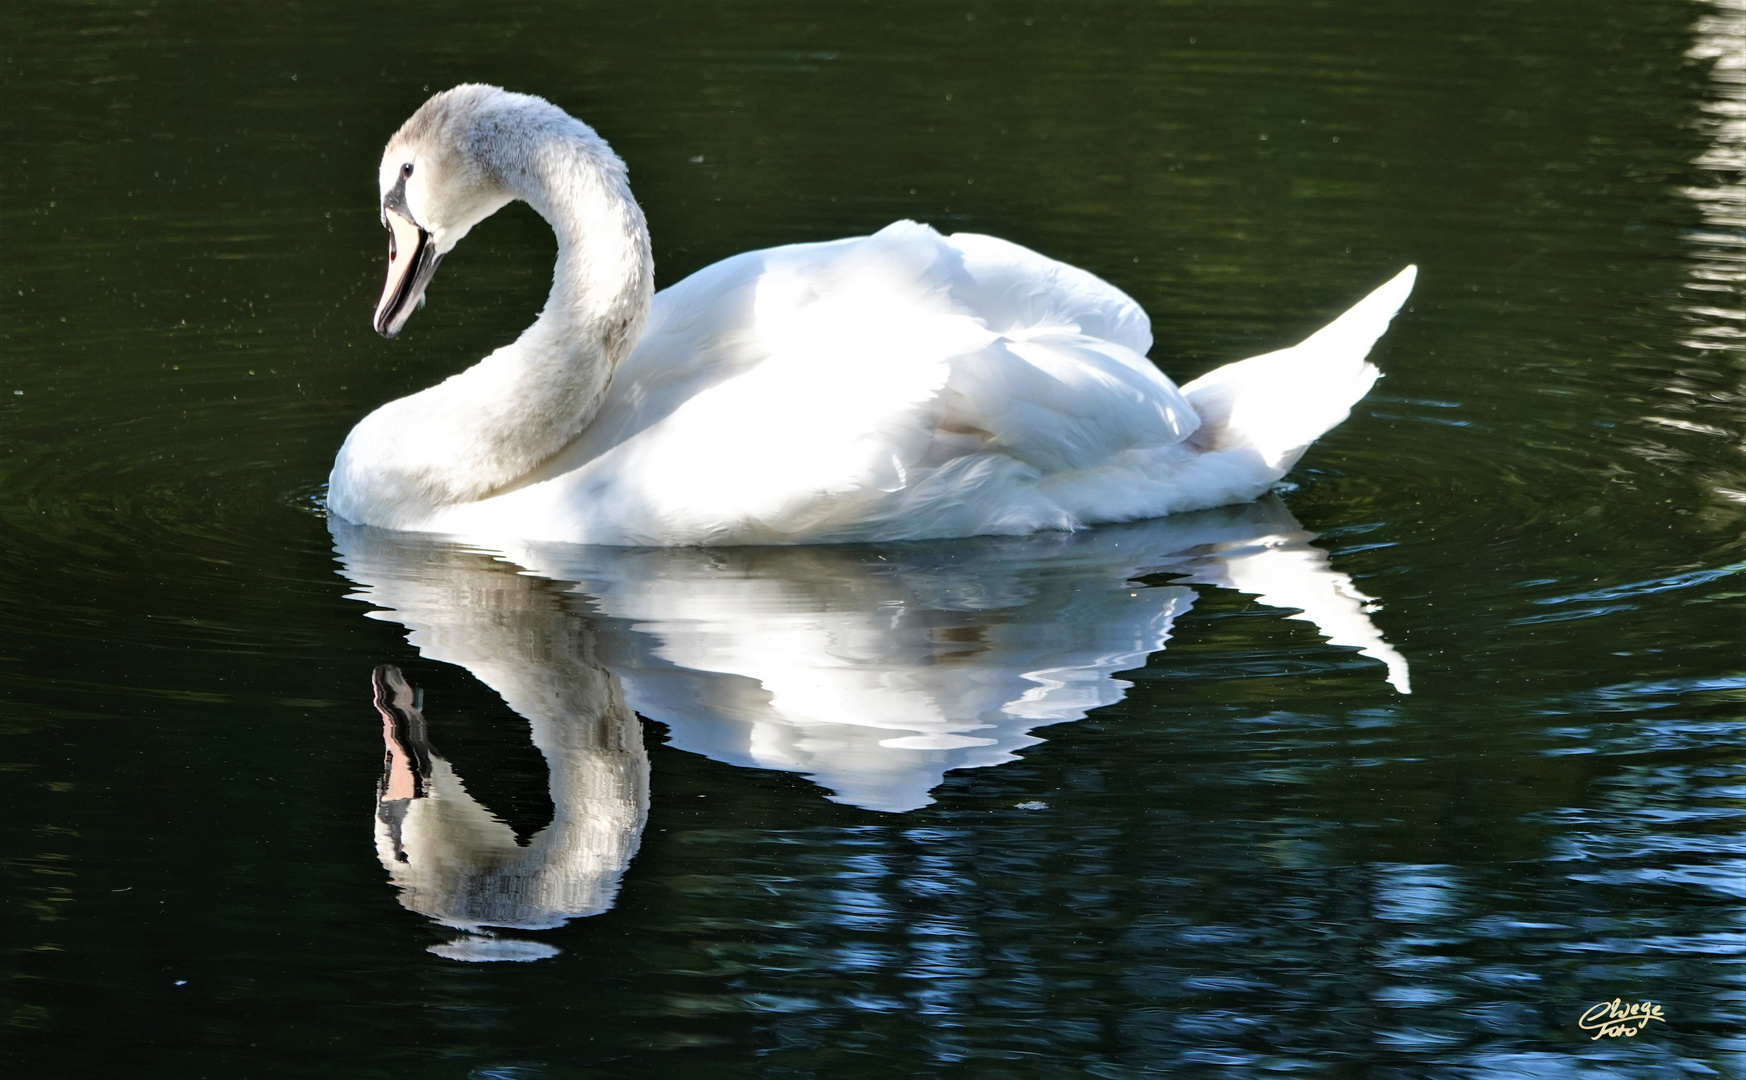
[{"x": 898, "y": 386}]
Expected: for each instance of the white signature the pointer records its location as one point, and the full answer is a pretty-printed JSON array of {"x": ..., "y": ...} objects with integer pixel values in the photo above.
[{"x": 1613, "y": 1018}]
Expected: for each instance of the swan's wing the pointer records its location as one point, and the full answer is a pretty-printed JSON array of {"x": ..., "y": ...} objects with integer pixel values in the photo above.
[
  {"x": 827, "y": 405},
  {"x": 1067, "y": 383},
  {"x": 1015, "y": 290},
  {"x": 799, "y": 302},
  {"x": 730, "y": 317},
  {"x": 1062, "y": 401}
]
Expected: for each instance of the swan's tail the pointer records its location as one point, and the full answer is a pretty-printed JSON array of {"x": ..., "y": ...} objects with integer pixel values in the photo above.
[{"x": 1279, "y": 403}]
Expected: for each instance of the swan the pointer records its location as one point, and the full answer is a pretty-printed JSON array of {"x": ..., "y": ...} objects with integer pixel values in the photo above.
[{"x": 903, "y": 385}]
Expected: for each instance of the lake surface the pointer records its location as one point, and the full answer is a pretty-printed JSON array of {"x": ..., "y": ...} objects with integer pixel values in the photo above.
[{"x": 1141, "y": 801}]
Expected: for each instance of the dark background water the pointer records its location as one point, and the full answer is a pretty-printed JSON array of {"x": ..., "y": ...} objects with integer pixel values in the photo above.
[{"x": 1262, "y": 860}]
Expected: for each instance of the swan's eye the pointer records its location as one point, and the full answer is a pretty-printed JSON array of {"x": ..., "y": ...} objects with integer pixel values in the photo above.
[{"x": 406, "y": 169}]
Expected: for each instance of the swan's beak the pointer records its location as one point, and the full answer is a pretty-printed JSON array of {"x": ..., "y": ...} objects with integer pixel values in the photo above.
[{"x": 412, "y": 259}]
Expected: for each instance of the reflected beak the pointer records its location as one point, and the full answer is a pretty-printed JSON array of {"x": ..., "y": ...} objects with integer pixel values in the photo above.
[
  {"x": 412, "y": 260},
  {"x": 406, "y": 761}
]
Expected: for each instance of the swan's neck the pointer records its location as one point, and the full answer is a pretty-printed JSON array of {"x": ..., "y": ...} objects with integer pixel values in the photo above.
[
  {"x": 483, "y": 430},
  {"x": 601, "y": 285}
]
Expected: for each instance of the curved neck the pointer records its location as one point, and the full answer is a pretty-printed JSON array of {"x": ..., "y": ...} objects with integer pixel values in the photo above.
[
  {"x": 604, "y": 276},
  {"x": 484, "y": 430},
  {"x": 534, "y": 396}
]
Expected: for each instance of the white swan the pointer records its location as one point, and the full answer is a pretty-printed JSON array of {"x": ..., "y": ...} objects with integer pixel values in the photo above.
[{"x": 903, "y": 385}]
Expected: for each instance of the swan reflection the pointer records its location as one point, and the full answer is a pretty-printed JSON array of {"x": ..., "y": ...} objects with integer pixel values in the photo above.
[
  {"x": 450, "y": 857},
  {"x": 872, "y": 669}
]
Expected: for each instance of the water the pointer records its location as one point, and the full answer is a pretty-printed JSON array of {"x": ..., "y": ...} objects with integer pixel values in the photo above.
[{"x": 1223, "y": 845}]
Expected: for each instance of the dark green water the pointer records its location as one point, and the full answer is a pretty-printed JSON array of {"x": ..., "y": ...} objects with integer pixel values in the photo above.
[{"x": 1258, "y": 860}]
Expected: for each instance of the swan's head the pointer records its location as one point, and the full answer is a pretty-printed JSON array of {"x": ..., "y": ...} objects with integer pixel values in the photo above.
[{"x": 441, "y": 174}]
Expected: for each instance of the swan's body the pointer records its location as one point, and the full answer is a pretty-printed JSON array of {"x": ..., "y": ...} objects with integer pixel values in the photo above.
[{"x": 898, "y": 386}]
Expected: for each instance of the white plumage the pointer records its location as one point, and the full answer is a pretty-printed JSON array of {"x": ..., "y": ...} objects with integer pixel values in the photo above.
[{"x": 903, "y": 385}]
